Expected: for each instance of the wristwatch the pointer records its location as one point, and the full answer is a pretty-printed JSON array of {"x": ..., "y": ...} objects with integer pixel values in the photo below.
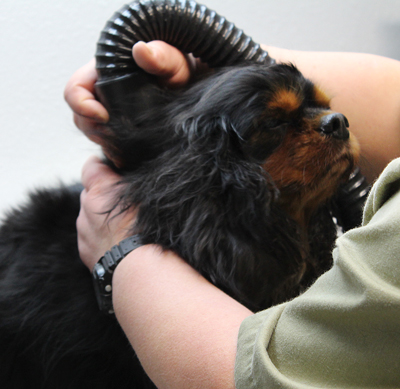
[{"x": 104, "y": 269}]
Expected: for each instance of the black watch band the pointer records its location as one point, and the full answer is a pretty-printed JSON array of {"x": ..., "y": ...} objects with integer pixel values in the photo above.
[{"x": 104, "y": 269}]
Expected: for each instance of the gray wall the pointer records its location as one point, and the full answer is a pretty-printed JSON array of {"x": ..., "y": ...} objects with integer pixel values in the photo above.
[{"x": 43, "y": 42}]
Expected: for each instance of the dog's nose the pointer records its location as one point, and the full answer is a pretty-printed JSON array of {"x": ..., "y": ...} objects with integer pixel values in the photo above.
[{"x": 335, "y": 125}]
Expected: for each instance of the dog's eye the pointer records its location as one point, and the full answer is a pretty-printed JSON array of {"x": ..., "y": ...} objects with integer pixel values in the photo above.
[
  {"x": 265, "y": 140},
  {"x": 282, "y": 126}
]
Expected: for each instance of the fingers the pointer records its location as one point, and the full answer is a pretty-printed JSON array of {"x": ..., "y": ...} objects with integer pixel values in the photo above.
[
  {"x": 165, "y": 61},
  {"x": 96, "y": 175},
  {"x": 155, "y": 57},
  {"x": 79, "y": 94},
  {"x": 89, "y": 127},
  {"x": 93, "y": 236},
  {"x": 98, "y": 229}
]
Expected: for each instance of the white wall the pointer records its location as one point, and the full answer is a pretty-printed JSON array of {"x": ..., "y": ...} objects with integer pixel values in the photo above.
[{"x": 43, "y": 42}]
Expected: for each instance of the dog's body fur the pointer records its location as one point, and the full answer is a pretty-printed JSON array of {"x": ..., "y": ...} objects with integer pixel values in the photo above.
[{"x": 236, "y": 175}]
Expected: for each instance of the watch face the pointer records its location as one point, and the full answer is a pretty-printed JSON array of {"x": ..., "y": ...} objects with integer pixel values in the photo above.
[
  {"x": 99, "y": 270},
  {"x": 102, "y": 288}
]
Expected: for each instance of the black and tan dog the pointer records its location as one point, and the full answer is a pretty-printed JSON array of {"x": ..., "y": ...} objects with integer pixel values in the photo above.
[{"x": 236, "y": 174}]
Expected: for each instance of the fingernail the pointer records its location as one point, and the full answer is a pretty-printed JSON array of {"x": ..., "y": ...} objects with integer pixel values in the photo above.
[
  {"x": 102, "y": 118},
  {"x": 146, "y": 46}
]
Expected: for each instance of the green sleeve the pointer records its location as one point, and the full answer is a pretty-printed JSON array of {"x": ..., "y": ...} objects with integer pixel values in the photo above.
[{"x": 344, "y": 331}]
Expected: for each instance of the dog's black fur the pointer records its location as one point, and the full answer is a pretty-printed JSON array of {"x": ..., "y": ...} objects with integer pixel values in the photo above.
[{"x": 214, "y": 173}]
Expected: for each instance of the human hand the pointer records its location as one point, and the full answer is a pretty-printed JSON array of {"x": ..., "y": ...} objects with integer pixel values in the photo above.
[
  {"x": 89, "y": 114},
  {"x": 173, "y": 68},
  {"x": 99, "y": 230}
]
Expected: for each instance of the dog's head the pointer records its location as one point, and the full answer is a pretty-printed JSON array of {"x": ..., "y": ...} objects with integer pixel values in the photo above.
[
  {"x": 287, "y": 124},
  {"x": 231, "y": 172},
  {"x": 271, "y": 116}
]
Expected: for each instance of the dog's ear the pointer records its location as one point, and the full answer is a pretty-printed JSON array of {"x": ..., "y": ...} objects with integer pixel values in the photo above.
[{"x": 216, "y": 134}]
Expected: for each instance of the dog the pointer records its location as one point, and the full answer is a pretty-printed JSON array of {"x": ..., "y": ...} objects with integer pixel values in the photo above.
[{"x": 237, "y": 173}]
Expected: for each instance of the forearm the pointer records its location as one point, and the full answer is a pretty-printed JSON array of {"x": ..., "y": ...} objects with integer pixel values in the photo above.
[
  {"x": 366, "y": 89},
  {"x": 183, "y": 328}
]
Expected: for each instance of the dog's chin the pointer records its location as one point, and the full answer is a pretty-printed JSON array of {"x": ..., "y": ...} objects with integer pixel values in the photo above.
[
  {"x": 301, "y": 197},
  {"x": 346, "y": 161}
]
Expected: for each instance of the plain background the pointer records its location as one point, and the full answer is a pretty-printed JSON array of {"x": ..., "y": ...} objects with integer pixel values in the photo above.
[{"x": 43, "y": 42}]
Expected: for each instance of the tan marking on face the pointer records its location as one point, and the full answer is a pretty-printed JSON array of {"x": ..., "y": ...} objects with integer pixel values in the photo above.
[
  {"x": 308, "y": 168},
  {"x": 285, "y": 100},
  {"x": 321, "y": 97}
]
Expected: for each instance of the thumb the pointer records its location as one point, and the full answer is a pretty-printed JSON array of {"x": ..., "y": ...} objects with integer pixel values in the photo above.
[{"x": 163, "y": 60}]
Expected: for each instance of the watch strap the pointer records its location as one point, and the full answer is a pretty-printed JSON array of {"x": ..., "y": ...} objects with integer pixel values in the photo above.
[
  {"x": 104, "y": 269},
  {"x": 119, "y": 251}
]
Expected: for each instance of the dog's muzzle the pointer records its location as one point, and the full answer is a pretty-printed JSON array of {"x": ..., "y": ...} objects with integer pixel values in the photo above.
[{"x": 335, "y": 125}]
